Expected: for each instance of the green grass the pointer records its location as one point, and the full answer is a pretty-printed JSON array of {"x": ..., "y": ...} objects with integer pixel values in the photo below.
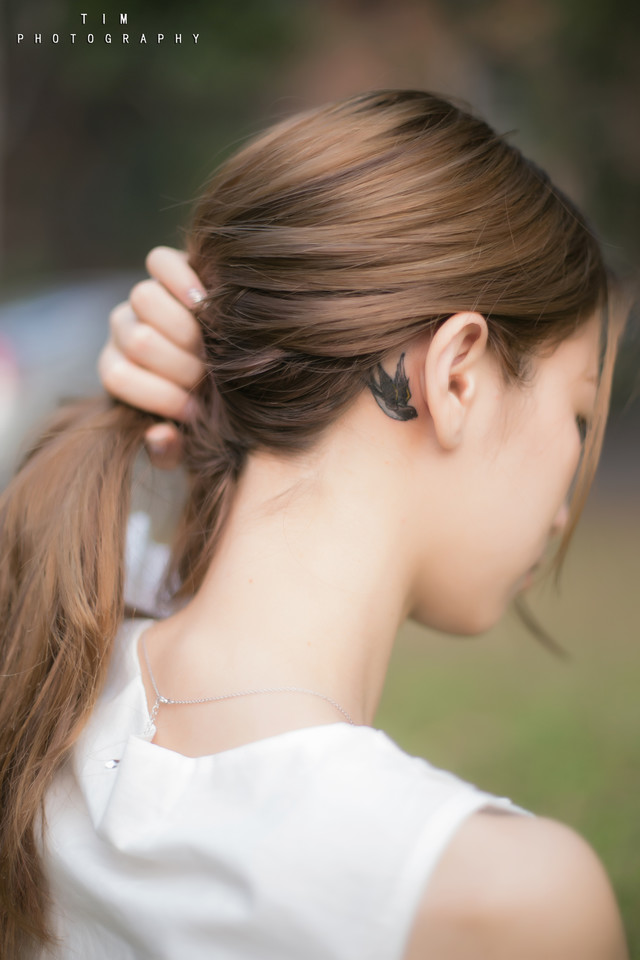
[{"x": 560, "y": 738}]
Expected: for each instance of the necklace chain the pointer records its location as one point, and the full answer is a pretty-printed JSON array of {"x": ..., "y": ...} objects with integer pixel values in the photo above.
[{"x": 160, "y": 699}]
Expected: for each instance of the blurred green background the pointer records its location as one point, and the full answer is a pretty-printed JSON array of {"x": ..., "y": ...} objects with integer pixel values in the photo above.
[{"x": 104, "y": 146}]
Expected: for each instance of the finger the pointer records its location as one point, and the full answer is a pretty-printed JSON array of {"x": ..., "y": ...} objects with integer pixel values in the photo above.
[
  {"x": 141, "y": 343},
  {"x": 139, "y": 387},
  {"x": 172, "y": 269},
  {"x": 164, "y": 445},
  {"x": 157, "y": 307}
]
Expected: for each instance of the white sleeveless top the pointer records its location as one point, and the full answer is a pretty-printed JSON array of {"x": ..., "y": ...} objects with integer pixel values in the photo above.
[{"x": 315, "y": 843}]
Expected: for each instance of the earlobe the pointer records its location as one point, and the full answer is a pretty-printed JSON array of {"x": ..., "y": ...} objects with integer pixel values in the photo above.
[{"x": 451, "y": 374}]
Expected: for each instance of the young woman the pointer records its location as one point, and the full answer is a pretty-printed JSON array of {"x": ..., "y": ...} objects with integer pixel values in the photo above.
[{"x": 393, "y": 374}]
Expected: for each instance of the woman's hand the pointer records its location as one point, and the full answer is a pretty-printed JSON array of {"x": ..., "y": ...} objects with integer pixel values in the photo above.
[{"x": 153, "y": 357}]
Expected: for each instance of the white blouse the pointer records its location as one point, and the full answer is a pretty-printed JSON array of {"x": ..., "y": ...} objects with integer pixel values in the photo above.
[{"x": 314, "y": 844}]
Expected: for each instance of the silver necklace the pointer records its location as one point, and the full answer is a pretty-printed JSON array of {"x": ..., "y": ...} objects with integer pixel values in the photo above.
[{"x": 160, "y": 699}]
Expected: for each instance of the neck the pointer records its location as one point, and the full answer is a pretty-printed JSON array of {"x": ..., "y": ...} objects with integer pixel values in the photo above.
[{"x": 308, "y": 587}]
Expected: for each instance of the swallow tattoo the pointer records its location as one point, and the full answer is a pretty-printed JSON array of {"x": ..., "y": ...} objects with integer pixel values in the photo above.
[{"x": 393, "y": 396}]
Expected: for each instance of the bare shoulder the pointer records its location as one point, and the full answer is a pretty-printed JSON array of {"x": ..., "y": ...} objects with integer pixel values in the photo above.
[{"x": 512, "y": 886}]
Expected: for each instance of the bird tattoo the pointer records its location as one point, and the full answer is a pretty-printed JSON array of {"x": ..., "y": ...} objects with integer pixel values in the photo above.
[{"x": 393, "y": 396}]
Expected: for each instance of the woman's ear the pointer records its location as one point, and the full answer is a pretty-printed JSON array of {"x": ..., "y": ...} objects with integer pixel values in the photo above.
[{"x": 452, "y": 368}]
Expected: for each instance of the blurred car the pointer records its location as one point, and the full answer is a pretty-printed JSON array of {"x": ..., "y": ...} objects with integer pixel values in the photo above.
[
  {"x": 9, "y": 379},
  {"x": 49, "y": 344}
]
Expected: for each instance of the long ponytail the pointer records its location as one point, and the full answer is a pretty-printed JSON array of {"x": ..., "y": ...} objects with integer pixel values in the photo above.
[{"x": 62, "y": 538}]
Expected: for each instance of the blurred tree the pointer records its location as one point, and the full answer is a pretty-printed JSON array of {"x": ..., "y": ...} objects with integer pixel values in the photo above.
[
  {"x": 570, "y": 69},
  {"x": 103, "y": 140}
]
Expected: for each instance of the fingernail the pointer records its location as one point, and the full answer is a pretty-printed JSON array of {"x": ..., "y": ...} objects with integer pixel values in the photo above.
[
  {"x": 156, "y": 447},
  {"x": 195, "y": 295}
]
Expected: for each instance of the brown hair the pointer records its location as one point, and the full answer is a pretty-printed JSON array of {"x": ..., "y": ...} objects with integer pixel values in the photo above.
[{"x": 334, "y": 238}]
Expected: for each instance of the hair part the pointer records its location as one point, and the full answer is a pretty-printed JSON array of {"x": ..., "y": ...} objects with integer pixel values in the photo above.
[{"x": 324, "y": 245}]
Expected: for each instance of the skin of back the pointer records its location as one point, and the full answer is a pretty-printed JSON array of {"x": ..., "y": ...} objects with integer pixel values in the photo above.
[{"x": 513, "y": 888}]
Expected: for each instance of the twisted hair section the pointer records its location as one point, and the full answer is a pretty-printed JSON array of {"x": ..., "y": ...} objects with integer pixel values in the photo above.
[{"x": 333, "y": 239}]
